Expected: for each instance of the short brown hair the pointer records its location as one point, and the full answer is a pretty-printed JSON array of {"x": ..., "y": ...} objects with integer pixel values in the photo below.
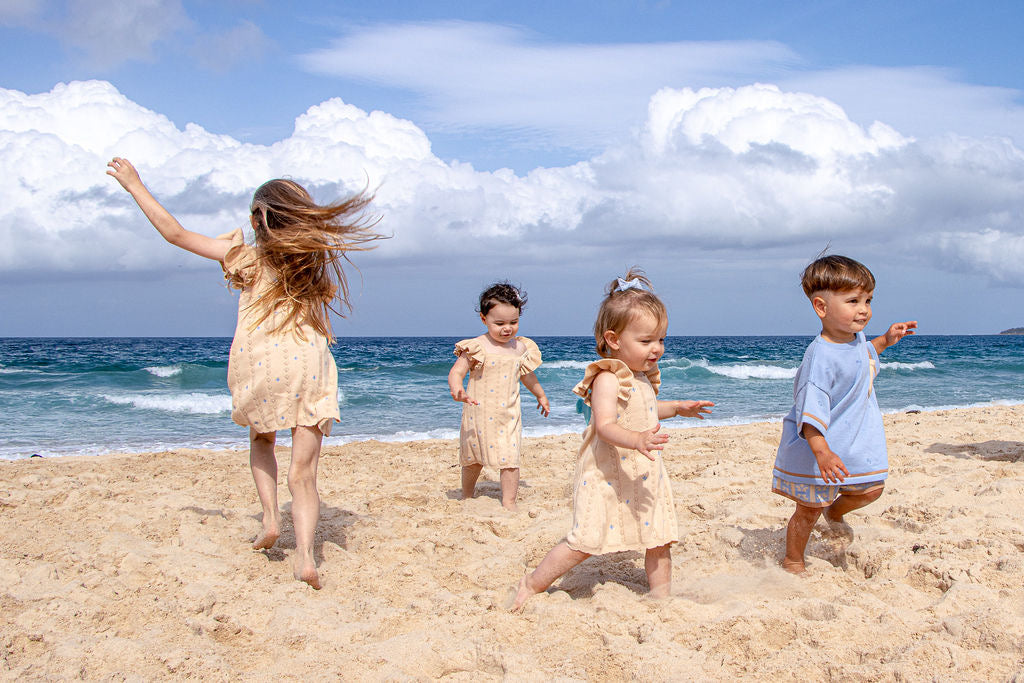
[
  {"x": 836, "y": 273},
  {"x": 621, "y": 306}
]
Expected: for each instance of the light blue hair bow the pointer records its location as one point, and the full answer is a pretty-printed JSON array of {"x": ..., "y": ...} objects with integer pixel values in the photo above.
[{"x": 631, "y": 284}]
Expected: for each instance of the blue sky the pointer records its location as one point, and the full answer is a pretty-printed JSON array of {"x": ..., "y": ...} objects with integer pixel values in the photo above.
[{"x": 721, "y": 146}]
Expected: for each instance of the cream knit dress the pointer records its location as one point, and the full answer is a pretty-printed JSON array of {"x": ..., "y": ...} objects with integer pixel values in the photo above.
[
  {"x": 279, "y": 380},
  {"x": 621, "y": 500},
  {"x": 491, "y": 431}
]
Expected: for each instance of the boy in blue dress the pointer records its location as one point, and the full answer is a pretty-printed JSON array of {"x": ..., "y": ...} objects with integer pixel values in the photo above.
[{"x": 832, "y": 457}]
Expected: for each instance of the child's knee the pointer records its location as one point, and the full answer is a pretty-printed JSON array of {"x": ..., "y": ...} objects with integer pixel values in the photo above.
[
  {"x": 872, "y": 496},
  {"x": 267, "y": 437},
  {"x": 806, "y": 513}
]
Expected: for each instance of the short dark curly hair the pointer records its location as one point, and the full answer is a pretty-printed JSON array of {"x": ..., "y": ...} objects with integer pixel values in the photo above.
[{"x": 501, "y": 293}]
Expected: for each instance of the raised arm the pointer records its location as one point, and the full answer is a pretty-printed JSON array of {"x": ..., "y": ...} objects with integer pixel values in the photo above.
[
  {"x": 895, "y": 332},
  {"x": 603, "y": 400},
  {"x": 166, "y": 224}
]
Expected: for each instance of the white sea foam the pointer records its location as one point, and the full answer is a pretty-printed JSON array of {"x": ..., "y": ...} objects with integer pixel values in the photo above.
[
  {"x": 896, "y": 365},
  {"x": 571, "y": 364},
  {"x": 164, "y": 370},
  {"x": 739, "y": 370},
  {"x": 193, "y": 403}
]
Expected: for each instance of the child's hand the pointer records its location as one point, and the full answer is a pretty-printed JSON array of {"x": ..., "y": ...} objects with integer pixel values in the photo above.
[
  {"x": 833, "y": 471},
  {"x": 697, "y": 409},
  {"x": 898, "y": 331},
  {"x": 462, "y": 397},
  {"x": 543, "y": 406},
  {"x": 124, "y": 173},
  {"x": 651, "y": 440}
]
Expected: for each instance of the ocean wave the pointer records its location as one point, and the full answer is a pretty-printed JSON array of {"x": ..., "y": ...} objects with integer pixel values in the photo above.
[
  {"x": 896, "y": 365},
  {"x": 193, "y": 403},
  {"x": 570, "y": 364},
  {"x": 736, "y": 370},
  {"x": 164, "y": 370}
]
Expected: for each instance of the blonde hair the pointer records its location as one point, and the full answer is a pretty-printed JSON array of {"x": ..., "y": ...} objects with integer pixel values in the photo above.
[
  {"x": 836, "y": 273},
  {"x": 622, "y": 306},
  {"x": 302, "y": 244}
]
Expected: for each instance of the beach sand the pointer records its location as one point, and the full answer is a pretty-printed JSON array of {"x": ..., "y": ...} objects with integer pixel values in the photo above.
[{"x": 137, "y": 567}]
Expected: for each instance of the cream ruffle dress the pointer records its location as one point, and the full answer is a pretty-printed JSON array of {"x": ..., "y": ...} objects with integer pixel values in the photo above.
[
  {"x": 279, "y": 380},
  {"x": 621, "y": 500},
  {"x": 492, "y": 430}
]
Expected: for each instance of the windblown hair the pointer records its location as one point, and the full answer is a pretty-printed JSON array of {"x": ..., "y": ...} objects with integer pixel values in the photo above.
[
  {"x": 620, "y": 308},
  {"x": 502, "y": 293},
  {"x": 836, "y": 273},
  {"x": 302, "y": 244}
]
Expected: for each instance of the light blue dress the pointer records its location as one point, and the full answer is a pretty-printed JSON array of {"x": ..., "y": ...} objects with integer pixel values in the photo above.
[{"x": 834, "y": 392}]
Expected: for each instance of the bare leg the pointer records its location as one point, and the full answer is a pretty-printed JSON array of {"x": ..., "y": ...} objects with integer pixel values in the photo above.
[
  {"x": 470, "y": 473},
  {"x": 263, "y": 463},
  {"x": 305, "y": 500},
  {"x": 847, "y": 502},
  {"x": 509, "y": 487},
  {"x": 557, "y": 562},
  {"x": 797, "y": 534},
  {"x": 658, "y": 563}
]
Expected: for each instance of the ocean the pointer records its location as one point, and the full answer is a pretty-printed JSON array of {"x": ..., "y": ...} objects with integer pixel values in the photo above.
[{"x": 101, "y": 395}]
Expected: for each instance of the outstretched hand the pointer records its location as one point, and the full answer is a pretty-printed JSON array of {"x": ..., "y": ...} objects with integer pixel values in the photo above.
[
  {"x": 543, "y": 406},
  {"x": 898, "y": 331},
  {"x": 697, "y": 409},
  {"x": 123, "y": 172},
  {"x": 462, "y": 397},
  {"x": 651, "y": 440}
]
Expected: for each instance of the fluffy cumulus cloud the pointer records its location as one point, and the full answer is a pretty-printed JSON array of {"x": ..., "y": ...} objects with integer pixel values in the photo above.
[{"x": 713, "y": 169}]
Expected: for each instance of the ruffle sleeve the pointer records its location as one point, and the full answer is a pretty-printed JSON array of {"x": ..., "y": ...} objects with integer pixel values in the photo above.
[
  {"x": 472, "y": 349},
  {"x": 622, "y": 373},
  {"x": 240, "y": 255},
  {"x": 654, "y": 377},
  {"x": 531, "y": 358}
]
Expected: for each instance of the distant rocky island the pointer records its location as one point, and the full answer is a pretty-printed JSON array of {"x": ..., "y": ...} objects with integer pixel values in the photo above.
[{"x": 1013, "y": 330}]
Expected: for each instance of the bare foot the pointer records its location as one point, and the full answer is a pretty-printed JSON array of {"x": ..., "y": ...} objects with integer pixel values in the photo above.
[
  {"x": 268, "y": 537},
  {"x": 522, "y": 595},
  {"x": 306, "y": 572},
  {"x": 837, "y": 528},
  {"x": 793, "y": 567},
  {"x": 511, "y": 507}
]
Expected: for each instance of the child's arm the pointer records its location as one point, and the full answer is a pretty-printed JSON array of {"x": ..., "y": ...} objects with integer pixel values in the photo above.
[
  {"x": 531, "y": 382},
  {"x": 603, "y": 401},
  {"x": 831, "y": 465},
  {"x": 455, "y": 377},
  {"x": 895, "y": 332},
  {"x": 210, "y": 247},
  {"x": 697, "y": 409}
]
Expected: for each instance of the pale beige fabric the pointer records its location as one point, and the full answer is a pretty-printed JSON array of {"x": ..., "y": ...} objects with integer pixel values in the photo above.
[
  {"x": 621, "y": 499},
  {"x": 277, "y": 381},
  {"x": 492, "y": 430}
]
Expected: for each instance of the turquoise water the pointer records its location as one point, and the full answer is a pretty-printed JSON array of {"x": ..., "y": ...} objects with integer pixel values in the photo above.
[{"x": 92, "y": 396}]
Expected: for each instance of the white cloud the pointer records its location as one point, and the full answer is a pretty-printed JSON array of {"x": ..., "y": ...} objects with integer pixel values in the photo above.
[
  {"x": 222, "y": 51},
  {"x": 487, "y": 75},
  {"x": 19, "y": 12},
  {"x": 113, "y": 32},
  {"x": 711, "y": 170}
]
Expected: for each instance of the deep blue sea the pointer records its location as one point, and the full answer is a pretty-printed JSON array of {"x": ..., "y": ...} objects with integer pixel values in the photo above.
[{"x": 93, "y": 396}]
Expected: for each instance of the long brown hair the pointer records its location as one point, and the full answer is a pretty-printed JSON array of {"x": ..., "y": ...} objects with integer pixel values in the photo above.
[{"x": 302, "y": 244}]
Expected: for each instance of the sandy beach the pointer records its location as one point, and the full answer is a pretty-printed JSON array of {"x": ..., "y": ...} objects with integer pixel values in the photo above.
[{"x": 138, "y": 567}]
